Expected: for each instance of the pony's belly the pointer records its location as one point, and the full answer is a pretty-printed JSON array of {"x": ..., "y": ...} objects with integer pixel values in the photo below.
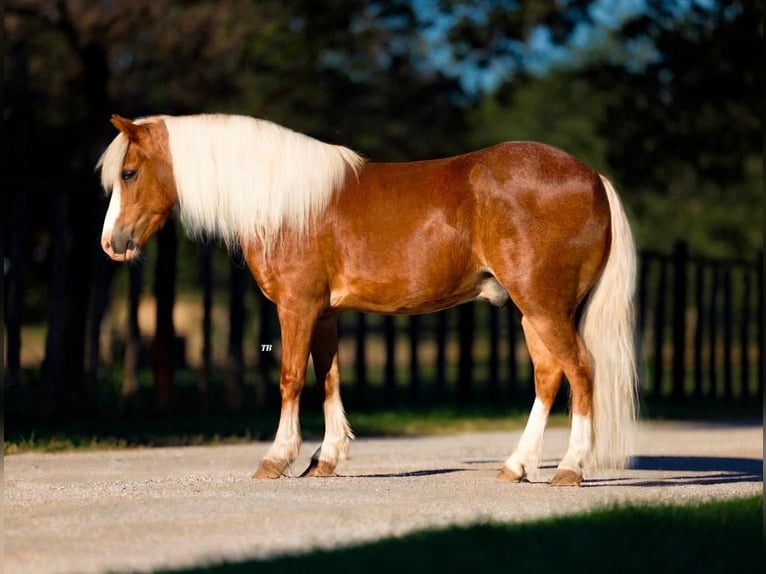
[
  {"x": 400, "y": 305},
  {"x": 388, "y": 298}
]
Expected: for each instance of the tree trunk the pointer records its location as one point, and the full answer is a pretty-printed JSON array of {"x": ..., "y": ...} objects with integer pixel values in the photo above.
[
  {"x": 83, "y": 233},
  {"x": 54, "y": 380},
  {"x": 13, "y": 295}
]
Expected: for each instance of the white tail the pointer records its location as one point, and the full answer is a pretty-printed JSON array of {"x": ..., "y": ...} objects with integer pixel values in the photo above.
[{"x": 607, "y": 329}]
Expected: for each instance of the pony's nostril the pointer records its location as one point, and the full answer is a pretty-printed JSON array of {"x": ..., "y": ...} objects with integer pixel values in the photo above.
[{"x": 130, "y": 245}]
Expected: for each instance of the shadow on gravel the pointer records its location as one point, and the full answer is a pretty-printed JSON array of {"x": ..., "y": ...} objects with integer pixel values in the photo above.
[
  {"x": 413, "y": 473},
  {"x": 722, "y": 470},
  {"x": 745, "y": 466}
]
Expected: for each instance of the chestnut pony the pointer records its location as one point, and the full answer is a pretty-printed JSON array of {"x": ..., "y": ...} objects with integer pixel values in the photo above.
[{"x": 322, "y": 230}]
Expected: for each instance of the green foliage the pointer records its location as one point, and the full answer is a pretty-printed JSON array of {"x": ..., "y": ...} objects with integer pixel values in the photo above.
[
  {"x": 559, "y": 108},
  {"x": 669, "y": 106},
  {"x": 668, "y": 102}
]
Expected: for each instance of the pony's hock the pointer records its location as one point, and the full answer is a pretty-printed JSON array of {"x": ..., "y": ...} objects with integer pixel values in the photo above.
[{"x": 322, "y": 230}]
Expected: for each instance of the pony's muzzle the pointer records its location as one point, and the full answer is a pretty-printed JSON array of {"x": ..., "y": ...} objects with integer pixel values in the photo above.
[{"x": 119, "y": 245}]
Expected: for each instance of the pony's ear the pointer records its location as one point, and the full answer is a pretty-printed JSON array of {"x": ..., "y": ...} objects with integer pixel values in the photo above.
[{"x": 132, "y": 131}]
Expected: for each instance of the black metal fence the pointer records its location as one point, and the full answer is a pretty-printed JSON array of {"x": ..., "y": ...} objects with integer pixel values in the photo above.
[
  {"x": 699, "y": 334},
  {"x": 472, "y": 352},
  {"x": 700, "y": 325}
]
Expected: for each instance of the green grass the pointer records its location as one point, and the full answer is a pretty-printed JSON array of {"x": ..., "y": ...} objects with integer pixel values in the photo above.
[
  {"x": 721, "y": 536},
  {"x": 115, "y": 433}
]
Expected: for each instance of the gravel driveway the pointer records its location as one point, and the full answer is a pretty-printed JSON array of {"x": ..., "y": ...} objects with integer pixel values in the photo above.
[{"x": 139, "y": 510}]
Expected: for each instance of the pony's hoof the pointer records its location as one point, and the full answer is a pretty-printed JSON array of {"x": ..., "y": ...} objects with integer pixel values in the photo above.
[
  {"x": 507, "y": 475},
  {"x": 566, "y": 477},
  {"x": 319, "y": 468},
  {"x": 270, "y": 469}
]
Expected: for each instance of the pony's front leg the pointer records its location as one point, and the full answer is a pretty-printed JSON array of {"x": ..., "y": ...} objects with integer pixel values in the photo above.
[
  {"x": 324, "y": 353},
  {"x": 296, "y": 336}
]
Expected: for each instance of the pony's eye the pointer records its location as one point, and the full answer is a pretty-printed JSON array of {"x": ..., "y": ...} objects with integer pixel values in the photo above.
[{"x": 128, "y": 174}]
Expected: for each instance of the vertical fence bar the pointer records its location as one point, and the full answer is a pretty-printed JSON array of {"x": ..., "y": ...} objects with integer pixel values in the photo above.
[
  {"x": 465, "y": 361},
  {"x": 414, "y": 333},
  {"x": 360, "y": 358},
  {"x": 659, "y": 328},
  {"x": 129, "y": 388},
  {"x": 759, "y": 323},
  {"x": 234, "y": 371},
  {"x": 513, "y": 367},
  {"x": 728, "y": 339},
  {"x": 206, "y": 278},
  {"x": 268, "y": 322},
  {"x": 713, "y": 331},
  {"x": 163, "y": 347},
  {"x": 699, "y": 330},
  {"x": 744, "y": 336},
  {"x": 389, "y": 384},
  {"x": 494, "y": 352},
  {"x": 680, "y": 260},
  {"x": 643, "y": 289},
  {"x": 441, "y": 355}
]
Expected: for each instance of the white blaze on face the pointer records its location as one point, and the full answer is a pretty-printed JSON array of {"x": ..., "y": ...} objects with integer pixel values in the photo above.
[{"x": 112, "y": 212}]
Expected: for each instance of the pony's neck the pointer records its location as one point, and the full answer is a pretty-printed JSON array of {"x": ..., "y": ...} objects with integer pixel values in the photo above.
[{"x": 239, "y": 177}]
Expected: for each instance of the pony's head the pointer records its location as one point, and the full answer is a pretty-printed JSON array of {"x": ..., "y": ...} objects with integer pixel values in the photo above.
[{"x": 136, "y": 169}]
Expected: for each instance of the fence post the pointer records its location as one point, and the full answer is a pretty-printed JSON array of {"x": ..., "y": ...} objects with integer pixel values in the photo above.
[
  {"x": 389, "y": 384},
  {"x": 728, "y": 325},
  {"x": 699, "y": 331},
  {"x": 465, "y": 361},
  {"x": 713, "y": 332},
  {"x": 759, "y": 323},
  {"x": 659, "y": 327},
  {"x": 163, "y": 345},
  {"x": 268, "y": 319},
  {"x": 414, "y": 366},
  {"x": 643, "y": 288},
  {"x": 744, "y": 336},
  {"x": 441, "y": 354},
  {"x": 680, "y": 260},
  {"x": 360, "y": 358},
  {"x": 494, "y": 353},
  {"x": 206, "y": 278},
  {"x": 234, "y": 373},
  {"x": 513, "y": 367},
  {"x": 129, "y": 390}
]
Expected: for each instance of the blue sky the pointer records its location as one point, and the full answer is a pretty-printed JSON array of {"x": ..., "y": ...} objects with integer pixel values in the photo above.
[{"x": 540, "y": 53}]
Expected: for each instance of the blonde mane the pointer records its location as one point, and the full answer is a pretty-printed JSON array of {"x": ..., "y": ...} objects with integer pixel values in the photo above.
[{"x": 239, "y": 177}]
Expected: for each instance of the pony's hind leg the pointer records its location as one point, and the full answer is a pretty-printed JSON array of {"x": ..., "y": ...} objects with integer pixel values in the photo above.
[
  {"x": 525, "y": 459},
  {"x": 564, "y": 344},
  {"x": 324, "y": 352},
  {"x": 296, "y": 336}
]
